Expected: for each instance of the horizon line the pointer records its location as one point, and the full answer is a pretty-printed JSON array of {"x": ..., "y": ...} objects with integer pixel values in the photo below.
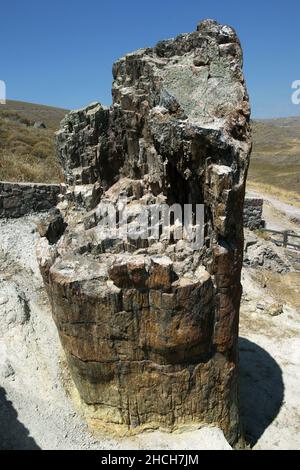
[{"x": 253, "y": 117}]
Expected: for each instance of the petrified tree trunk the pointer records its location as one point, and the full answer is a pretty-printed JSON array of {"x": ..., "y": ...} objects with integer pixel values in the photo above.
[{"x": 150, "y": 326}]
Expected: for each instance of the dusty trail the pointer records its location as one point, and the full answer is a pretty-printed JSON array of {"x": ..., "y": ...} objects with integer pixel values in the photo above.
[{"x": 278, "y": 214}]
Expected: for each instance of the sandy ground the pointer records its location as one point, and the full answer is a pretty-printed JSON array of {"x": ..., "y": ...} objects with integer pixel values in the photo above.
[
  {"x": 270, "y": 346},
  {"x": 34, "y": 409},
  {"x": 270, "y": 371},
  {"x": 37, "y": 413}
]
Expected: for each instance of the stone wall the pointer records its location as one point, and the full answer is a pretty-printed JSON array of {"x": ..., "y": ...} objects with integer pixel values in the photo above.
[
  {"x": 18, "y": 199},
  {"x": 253, "y": 208}
]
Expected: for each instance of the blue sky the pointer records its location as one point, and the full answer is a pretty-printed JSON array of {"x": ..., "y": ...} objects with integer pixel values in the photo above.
[{"x": 61, "y": 52}]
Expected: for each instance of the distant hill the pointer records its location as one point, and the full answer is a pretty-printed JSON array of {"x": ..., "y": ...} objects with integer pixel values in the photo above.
[
  {"x": 33, "y": 112},
  {"x": 275, "y": 161},
  {"x": 27, "y": 153}
]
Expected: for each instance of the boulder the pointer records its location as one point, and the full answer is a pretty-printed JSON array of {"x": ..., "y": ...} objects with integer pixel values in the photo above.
[
  {"x": 147, "y": 319},
  {"x": 39, "y": 125}
]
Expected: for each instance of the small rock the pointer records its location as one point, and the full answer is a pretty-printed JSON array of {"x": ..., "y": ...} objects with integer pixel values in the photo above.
[
  {"x": 6, "y": 370},
  {"x": 260, "y": 306},
  {"x": 274, "y": 310},
  {"x": 39, "y": 125},
  {"x": 245, "y": 298}
]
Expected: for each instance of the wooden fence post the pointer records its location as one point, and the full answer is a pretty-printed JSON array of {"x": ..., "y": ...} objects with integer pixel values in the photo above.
[{"x": 285, "y": 237}]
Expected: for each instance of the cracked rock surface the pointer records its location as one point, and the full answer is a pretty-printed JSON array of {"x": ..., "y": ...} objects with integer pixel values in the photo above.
[{"x": 149, "y": 325}]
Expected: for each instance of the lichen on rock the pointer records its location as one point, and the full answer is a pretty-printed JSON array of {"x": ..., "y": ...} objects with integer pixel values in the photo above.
[{"x": 150, "y": 325}]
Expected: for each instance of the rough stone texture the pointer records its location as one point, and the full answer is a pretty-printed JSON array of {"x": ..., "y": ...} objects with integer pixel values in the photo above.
[
  {"x": 39, "y": 125},
  {"x": 253, "y": 210},
  {"x": 264, "y": 254},
  {"x": 18, "y": 199},
  {"x": 79, "y": 141},
  {"x": 150, "y": 327}
]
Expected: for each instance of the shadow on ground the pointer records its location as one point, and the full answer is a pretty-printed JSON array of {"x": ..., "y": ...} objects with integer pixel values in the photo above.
[
  {"x": 13, "y": 434},
  {"x": 261, "y": 389}
]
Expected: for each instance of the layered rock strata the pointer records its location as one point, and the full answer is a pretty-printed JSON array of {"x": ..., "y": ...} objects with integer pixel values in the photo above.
[{"x": 148, "y": 321}]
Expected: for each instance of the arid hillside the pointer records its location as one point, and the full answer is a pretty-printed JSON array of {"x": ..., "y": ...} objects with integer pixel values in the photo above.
[
  {"x": 27, "y": 153},
  {"x": 275, "y": 161},
  {"x": 27, "y": 147}
]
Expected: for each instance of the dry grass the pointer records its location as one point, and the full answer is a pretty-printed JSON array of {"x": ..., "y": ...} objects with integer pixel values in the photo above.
[
  {"x": 27, "y": 169},
  {"x": 276, "y": 137},
  {"x": 290, "y": 197},
  {"x": 285, "y": 287},
  {"x": 34, "y": 112},
  {"x": 275, "y": 161},
  {"x": 264, "y": 235},
  {"x": 273, "y": 173},
  {"x": 27, "y": 153}
]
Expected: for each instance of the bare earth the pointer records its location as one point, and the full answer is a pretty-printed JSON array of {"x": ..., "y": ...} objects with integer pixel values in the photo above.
[
  {"x": 278, "y": 214},
  {"x": 36, "y": 410}
]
